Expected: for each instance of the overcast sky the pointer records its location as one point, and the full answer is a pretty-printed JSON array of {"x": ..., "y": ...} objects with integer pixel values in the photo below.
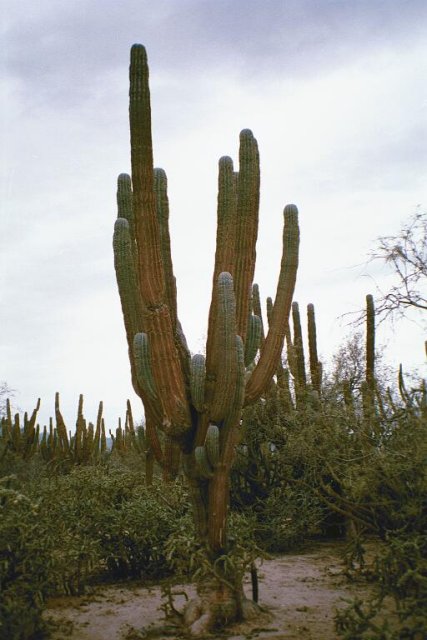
[{"x": 335, "y": 92}]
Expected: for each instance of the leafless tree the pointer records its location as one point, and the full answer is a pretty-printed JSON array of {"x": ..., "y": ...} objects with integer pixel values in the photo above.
[{"x": 406, "y": 254}]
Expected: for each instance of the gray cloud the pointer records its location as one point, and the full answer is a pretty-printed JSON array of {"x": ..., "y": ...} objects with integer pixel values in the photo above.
[{"x": 59, "y": 50}]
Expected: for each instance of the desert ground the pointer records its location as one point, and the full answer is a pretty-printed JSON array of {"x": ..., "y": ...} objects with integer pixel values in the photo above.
[{"x": 299, "y": 594}]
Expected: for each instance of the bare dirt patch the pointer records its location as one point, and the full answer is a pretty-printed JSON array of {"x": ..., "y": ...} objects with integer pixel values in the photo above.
[{"x": 300, "y": 593}]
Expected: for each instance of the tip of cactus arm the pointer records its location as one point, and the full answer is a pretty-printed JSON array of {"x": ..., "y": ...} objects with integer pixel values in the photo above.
[
  {"x": 120, "y": 224},
  {"x": 246, "y": 133},
  {"x": 123, "y": 177},
  {"x": 225, "y": 160},
  {"x": 159, "y": 173},
  {"x": 138, "y": 49},
  {"x": 290, "y": 209}
]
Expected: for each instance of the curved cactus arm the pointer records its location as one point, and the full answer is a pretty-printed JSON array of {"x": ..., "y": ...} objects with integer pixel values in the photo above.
[
  {"x": 197, "y": 381},
  {"x": 126, "y": 276},
  {"x": 270, "y": 353},
  {"x": 253, "y": 339},
  {"x": 223, "y": 394},
  {"x": 247, "y": 227}
]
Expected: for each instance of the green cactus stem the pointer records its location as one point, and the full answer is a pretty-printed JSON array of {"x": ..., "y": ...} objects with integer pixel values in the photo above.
[
  {"x": 225, "y": 347},
  {"x": 253, "y": 340},
  {"x": 272, "y": 348},
  {"x": 370, "y": 343},
  {"x": 212, "y": 444},
  {"x": 256, "y": 307},
  {"x": 197, "y": 381},
  {"x": 315, "y": 367},
  {"x": 301, "y": 379}
]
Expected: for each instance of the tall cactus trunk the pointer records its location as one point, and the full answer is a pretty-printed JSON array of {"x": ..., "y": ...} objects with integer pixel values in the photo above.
[{"x": 197, "y": 402}]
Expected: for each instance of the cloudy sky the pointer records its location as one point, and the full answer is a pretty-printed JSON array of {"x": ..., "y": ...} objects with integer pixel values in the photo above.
[{"x": 335, "y": 93}]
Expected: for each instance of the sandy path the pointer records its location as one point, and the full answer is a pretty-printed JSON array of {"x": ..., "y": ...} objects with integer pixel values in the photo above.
[{"x": 299, "y": 591}]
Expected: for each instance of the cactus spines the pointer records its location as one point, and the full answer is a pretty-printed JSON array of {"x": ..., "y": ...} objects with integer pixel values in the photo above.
[
  {"x": 197, "y": 380},
  {"x": 212, "y": 444}
]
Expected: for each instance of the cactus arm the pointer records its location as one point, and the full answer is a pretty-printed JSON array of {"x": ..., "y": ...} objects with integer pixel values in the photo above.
[
  {"x": 162, "y": 209},
  {"x": 315, "y": 372},
  {"x": 212, "y": 444},
  {"x": 224, "y": 262},
  {"x": 253, "y": 339},
  {"x": 144, "y": 374},
  {"x": 370, "y": 343},
  {"x": 223, "y": 395},
  {"x": 299, "y": 348},
  {"x": 60, "y": 426},
  {"x": 247, "y": 227},
  {"x": 203, "y": 467},
  {"x": 270, "y": 353},
  {"x": 125, "y": 204},
  {"x": 126, "y": 276},
  {"x": 150, "y": 266},
  {"x": 197, "y": 381},
  {"x": 256, "y": 305}
]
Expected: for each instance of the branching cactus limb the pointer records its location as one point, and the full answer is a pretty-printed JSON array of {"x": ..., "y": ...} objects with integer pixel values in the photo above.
[{"x": 272, "y": 348}]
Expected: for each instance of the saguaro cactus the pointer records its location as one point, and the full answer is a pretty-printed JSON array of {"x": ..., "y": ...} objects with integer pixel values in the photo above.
[{"x": 197, "y": 402}]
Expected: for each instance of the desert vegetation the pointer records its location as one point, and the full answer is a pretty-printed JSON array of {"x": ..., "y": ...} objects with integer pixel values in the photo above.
[{"x": 249, "y": 449}]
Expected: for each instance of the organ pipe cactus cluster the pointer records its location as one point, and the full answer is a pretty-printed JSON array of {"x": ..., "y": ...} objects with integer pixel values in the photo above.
[
  {"x": 55, "y": 442},
  {"x": 193, "y": 405}
]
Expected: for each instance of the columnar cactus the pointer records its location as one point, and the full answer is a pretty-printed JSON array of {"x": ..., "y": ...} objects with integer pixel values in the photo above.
[{"x": 196, "y": 402}]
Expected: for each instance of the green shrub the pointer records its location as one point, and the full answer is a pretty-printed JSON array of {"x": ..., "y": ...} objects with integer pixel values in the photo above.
[{"x": 24, "y": 563}]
